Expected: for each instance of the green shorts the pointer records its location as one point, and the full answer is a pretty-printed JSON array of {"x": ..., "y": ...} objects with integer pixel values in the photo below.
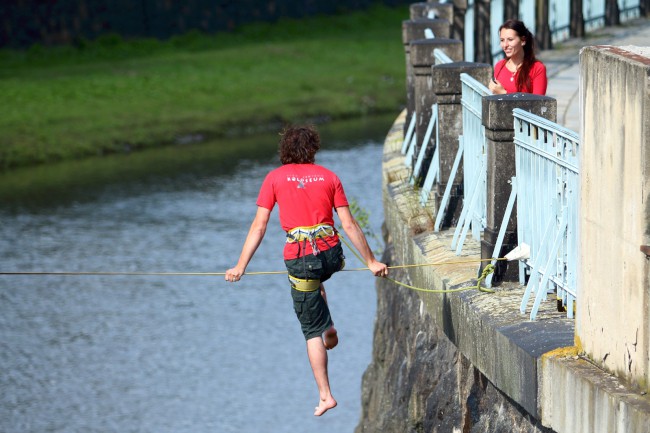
[{"x": 310, "y": 307}]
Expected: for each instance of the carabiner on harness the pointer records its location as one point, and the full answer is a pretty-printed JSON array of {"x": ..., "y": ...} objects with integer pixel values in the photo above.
[{"x": 311, "y": 235}]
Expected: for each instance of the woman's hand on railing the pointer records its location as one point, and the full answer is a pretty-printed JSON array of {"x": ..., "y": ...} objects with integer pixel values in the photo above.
[{"x": 496, "y": 87}]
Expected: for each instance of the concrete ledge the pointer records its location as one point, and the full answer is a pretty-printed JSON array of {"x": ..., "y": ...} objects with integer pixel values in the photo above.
[
  {"x": 576, "y": 396},
  {"x": 615, "y": 212},
  {"x": 488, "y": 328},
  {"x": 497, "y": 109}
]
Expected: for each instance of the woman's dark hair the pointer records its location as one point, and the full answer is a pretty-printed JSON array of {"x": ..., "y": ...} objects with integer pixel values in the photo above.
[
  {"x": 299, "y": 144},
  {"x": 523, "y": 83}
]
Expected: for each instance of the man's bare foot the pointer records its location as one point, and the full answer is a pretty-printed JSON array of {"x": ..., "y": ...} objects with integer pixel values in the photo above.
[
  {"x": 330, "y": 338},
  {"x": 324, "y": 406}
]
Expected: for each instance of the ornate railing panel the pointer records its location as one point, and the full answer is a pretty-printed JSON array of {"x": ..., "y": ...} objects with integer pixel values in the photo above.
[
  {"x": 473, "y": 146},
  {"x": 547, "y": 168}
]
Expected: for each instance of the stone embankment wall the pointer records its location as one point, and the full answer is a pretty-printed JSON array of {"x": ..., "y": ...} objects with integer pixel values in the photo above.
[
  {"x": 420, "y": 382},
  {"x": 422, "y": 377},
  {"x": 450, "y": 358},
  {"x": 468, "y": 361}
]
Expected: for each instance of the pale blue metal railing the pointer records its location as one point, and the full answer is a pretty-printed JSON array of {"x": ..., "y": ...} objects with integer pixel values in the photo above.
[
  {"x": 559, "y": 19},
  {"x": 496, "y": 19},
  {"x": 593, "y": 14},
  {"x": 468, "y": 36},
  {"x": 408, "y": 145},
  {"x": 629, "y": 9},
  {"x": 472, "y": 147},
  {"x": 528, "y": 14},
  {"x": 441, "y": 57},
  {"x": 417, "y": 167},
  {"x": 410, "y": 139},
  {"x": 547, "y": 187},
  {"x": 433, "y": 173}
]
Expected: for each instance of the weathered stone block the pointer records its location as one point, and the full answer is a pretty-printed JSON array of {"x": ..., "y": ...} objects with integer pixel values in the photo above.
[
  {"x": 446, "y": 77},
  {"x": 614, "y": 277},
  {"x": 421, "y": 53},
  {"x": 497, "y": 109},
  {"x": 414, "y": 29}
]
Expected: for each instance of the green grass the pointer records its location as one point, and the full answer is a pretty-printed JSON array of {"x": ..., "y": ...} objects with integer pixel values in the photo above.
[{"x": 111, "y": 95}]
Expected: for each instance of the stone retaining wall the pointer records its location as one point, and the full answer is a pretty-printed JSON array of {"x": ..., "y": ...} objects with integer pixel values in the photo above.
[{"x": 468, "y": 361}]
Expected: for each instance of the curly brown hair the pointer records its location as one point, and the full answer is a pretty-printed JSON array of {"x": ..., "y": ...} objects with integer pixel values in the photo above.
[{"x": 299, "y": 144}]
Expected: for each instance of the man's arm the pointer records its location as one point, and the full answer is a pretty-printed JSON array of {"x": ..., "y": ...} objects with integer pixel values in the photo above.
[
  {"x": 358, "y": 239},
  {"x": 253, "y": 240}
]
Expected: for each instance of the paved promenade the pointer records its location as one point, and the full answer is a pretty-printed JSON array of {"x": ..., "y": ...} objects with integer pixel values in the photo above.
[{"x": 563, "y": 65}]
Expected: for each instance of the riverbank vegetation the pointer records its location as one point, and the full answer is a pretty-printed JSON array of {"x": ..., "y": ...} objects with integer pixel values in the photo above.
[{"x": 112, "y": 95}]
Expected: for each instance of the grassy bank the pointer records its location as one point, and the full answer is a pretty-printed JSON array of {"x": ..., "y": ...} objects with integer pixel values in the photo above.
[
  {"x": 79, "y": 181},
  {"x": 113, "y": 96}
]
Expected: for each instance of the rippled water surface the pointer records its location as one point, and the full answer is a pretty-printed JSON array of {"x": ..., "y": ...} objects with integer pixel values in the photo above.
[{"x": 173, "y": 353}]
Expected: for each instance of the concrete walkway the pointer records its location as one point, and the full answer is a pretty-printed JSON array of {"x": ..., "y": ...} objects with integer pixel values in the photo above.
[{"x": 563, "y": 65}]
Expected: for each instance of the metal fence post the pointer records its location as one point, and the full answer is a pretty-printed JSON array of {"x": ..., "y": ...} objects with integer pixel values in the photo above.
[{"x": 498, "y": 120}]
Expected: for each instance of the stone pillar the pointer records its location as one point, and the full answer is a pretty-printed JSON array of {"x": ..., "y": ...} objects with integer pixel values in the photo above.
[
  {"x": 415, "y": 30},
  {"x": 499, "y": 133},
  {"x": 612, "y": 13},
  {"x": 422, "y": 59},
  {"x": 458, "y": 26},
  {"x": 577, "y": 20},
  {"x": 443, "y": 11},
  {"x": 482, "y": 30},
  {"x": 448, "y": 88},
  {"x": 511, "y": 8},
  {"x": 542, "y": 25},
  {"x": 613, "y": 304},
  {"x": 644, "y": 5}
]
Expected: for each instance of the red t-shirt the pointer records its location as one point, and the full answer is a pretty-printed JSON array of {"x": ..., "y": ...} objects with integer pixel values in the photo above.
[
  {"x": 509, "y": 81},
  {"x": 306, "y": 195}
]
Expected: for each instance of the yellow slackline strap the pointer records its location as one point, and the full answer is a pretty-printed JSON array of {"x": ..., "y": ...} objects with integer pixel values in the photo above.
[
  {"x": 215, "y": 274},
  {"x": 166, "y": 274},
  {"x": 489, "y": 268},
  {"x": 298, "y": 283}
]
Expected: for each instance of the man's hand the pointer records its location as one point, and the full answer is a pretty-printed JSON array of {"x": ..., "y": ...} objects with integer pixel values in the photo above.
[
  {"x": 379, "y": 269},
  {"x": 234, "y": 274}
]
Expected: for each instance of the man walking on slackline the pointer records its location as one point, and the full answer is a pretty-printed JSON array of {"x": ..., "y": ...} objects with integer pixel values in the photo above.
[{"x": 307, "y": 194}]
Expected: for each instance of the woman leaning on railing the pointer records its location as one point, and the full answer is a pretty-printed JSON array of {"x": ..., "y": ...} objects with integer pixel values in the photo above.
[{"x": 519, "y": 71}]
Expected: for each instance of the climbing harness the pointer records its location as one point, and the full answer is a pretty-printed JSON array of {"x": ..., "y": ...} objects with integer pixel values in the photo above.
[{"x": 310, "y": 234}]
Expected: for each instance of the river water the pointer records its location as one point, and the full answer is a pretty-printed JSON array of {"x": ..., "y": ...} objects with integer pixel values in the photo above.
[{"x": 170, "y": 353}]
